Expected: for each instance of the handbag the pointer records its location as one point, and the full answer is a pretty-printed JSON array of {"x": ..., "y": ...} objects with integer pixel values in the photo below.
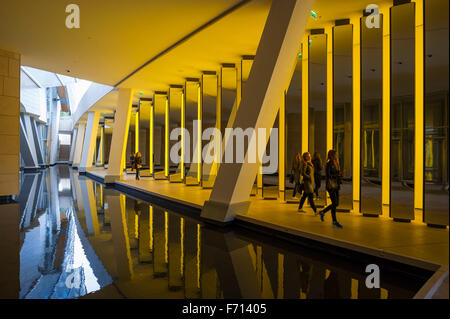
[
  {"x": 291, "y": 178},
  {"x": 332, "y": 184}
]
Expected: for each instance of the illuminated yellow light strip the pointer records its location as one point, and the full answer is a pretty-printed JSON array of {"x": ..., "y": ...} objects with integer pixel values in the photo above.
[
  {"x": 305, "y": 93},
  {"x": 166, "y": 140},
  {"x": 384, "y": 294},
  {"x": 182, "y": 134},
  {"x": 136, "y": 133},
  {"x": 329, "y": 115},
  {"x": 151, "y": 228},
  {"x": 182, "y": 246},
  {"x": 282, "y": 148},
  {"x": 385, "y": 185},
  {"x": 151, "y": 138},
  {"x": 356, "y": 108},
  {"x": 354, "y": 289},
  {"x": 199, "y": 134},
  {"x": 136, "y": 226},
  {"x": 419, "y": 101},
  {"x": 198, "y": 255},
  {"x": 166, "y": 237}
]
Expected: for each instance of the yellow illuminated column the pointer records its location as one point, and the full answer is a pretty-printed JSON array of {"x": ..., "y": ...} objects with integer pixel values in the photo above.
[
  {"x": 355, "y": 20},
  {"x": 282, "y": 149},
  {"x": 151, "y": 137},
  {"x": 136, "y": 133},
  {"x": 419, "y": 101},
  {"x": 199, "y": 135},
  {"x": 329, "y": 33},
  {"x": 385, "y": 182},
  {"x": 166, "y": 139},
  {"x": 305, "y": 92},
  {"x": 183, "y": 119}
]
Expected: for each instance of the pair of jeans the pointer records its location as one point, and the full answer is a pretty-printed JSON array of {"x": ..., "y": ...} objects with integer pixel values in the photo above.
[
  {"x": 334, "y": 196},
  {"x": 310, "y": 200}
]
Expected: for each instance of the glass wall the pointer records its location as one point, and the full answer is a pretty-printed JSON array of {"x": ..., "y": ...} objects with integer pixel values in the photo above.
[
  {"x": 371, "y": 118},
  {"x": 246, "y": 66},
  {"x": 175, "y": 103},
  {"x": 144, "y": 135},
  {"x": 161, "y": 164},
  {"x": 192, "y": 95},
  {"x": 436, "y": 175},
  {"x": 343, "y": 108},
  {"x": 209, "y": 120},
  {"x": 402, "y": 111}
]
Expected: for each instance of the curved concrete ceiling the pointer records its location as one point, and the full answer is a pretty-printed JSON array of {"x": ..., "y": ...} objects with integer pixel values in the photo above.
[{"x": 116, "y": 37}]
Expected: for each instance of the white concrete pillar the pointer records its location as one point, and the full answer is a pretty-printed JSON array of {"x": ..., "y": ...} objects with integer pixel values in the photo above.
[
  {"x": 119, "y": 135},
  {"x": 90, "y": 141},
  {"x": 79, "y": 145},
  {"x": 37, "y": 142},
  {"x": 270, "y": 75},
  {"x": 26, "y": 150},
  {"x": 54, "y": 138},
  {"x": 72, "y": 146}
]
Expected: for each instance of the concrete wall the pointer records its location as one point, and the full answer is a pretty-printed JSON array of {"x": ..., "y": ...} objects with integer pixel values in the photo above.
[{"x": 9, "y": 122}]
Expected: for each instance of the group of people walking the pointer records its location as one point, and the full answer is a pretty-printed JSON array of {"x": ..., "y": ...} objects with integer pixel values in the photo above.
[
  {"x": 306, "y": 176},
  {"x": 136, "y": 163}
]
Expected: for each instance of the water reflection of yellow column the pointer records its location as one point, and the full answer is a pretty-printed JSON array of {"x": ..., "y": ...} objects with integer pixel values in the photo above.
[
  {"x": 131, "y": 222},
  {"x": 190, "y": 260},
  {"x": 116, "y": 204},
  {"x": 159, "y": 243},
  {"x": 175, "y": 265},
  {"x": 145, "y": 255}
]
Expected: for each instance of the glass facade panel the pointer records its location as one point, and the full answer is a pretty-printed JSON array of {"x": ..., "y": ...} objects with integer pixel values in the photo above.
[
  {"x": 209, "y": 120},
  {"x": 371, "y": 121},
  {"x": 436, "y": 147},
  {"x": 402, "y": 111},
  {"x": 343, "y": 108}
]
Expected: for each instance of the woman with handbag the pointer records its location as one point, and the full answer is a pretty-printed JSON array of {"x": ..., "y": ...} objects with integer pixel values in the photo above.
[
  {"x": 333, "y": 182},
  {"x": 307, "y": 172}
]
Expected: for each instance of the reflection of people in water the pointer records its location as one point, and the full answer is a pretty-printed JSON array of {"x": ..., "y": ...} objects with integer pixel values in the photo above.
[{"x": 137, "y": 207}]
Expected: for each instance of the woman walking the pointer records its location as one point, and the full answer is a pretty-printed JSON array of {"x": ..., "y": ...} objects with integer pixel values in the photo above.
[
  {"x": 137, "y": 164},
  {"x": 295, "y": 173},
  {"x": 307, "y": 172},
  {"x": 333, "y": 181},
  {"x": 317, "y": 162}
]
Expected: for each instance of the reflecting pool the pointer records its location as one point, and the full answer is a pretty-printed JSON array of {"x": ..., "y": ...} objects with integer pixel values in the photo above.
[{"x": 81, "y": 239}]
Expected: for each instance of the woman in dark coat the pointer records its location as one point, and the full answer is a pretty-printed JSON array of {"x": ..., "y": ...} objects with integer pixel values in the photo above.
[
  {"x": 333, "y": 182},
  {"x": 307, "y": 172}
]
